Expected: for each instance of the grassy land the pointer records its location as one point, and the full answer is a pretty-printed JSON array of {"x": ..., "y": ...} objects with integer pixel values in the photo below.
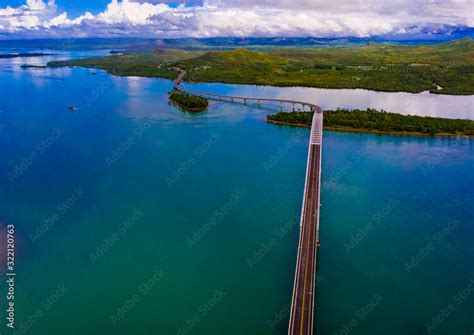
[
  {"x": 377, "y": 67},
  {"x": 143, "y": 64},
  {"x": 381, "y": 67},
  {"x": 371, "y": 120},
  {"x": 190, "y": 102},
  {"x": 28, "y": 66}
]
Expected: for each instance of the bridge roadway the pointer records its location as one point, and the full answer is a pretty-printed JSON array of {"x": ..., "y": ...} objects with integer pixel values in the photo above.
[
  {"x": 229, "y": 98},
  {"x": 302, "y": 306}
]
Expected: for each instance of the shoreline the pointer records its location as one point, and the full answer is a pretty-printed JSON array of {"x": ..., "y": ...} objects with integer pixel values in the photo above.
[
  {"x": 187, "y": 108},
  {"x": 298, "y": 85},
  {"x": 324, "y": 87},
  {"x": 375, "y": 132}
]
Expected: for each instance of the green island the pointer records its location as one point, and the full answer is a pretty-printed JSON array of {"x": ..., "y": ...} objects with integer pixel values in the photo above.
[
  {"x": 189, "y": 102},
  {"x": 142, "y": 64},
  {"x": 444, "y": 68},
  {"x": 381, "y": 122},
  {"x": 27, "y": 66}
]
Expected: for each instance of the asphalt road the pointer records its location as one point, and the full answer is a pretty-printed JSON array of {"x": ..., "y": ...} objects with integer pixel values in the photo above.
[{"x": 302, "y": 311}]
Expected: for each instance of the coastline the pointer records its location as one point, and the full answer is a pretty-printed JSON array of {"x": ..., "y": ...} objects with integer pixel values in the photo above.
[
  {"x": 375, "y": 132},
  {"x": 309, "y": 85},
  {"x": 200, "y": 109},
  {"x": 251, "y": 83}
]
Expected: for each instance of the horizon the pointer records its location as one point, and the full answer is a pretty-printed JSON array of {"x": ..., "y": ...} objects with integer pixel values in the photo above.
[
  {"x": 253, "y": 41},
  {"x": 167, "y": 19}
]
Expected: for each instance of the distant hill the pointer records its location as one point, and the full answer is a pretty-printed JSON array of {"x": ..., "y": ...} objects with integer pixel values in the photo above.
[
  {"x": 138, "y": 44},
  {"x": 382, "y": 67},
  {"x": 444, "y": 68}
]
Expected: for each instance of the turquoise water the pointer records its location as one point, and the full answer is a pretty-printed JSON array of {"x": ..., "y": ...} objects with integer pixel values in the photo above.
[{"x": 133, "y": 217}]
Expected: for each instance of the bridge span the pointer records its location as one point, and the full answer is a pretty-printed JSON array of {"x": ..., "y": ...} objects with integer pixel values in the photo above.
[
  {"x": 302, "y": 305},
  {"x": 229, "y": 98}
]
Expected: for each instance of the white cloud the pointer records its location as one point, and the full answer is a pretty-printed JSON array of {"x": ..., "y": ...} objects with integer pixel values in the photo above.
[
  {"x": 131, "y": 12},
  {"x": 30, "y": 15},
  {"x": 318, "y": 18}
]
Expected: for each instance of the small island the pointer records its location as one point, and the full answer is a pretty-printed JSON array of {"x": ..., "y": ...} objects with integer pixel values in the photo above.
[
  {"x": 28, "y": 66},
  {"x": 189, "y": 102},
  {"x": 24, "y": 54},
  {"x": 380, "y": 122}
]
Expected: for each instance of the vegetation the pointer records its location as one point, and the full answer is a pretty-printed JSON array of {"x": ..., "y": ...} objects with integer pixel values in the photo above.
[
  {"x": 24, "y": 54},
  {"x": 143, "y": 64},
  {"x": 445, "y": 68},
  {"x": 190, "y": 102},
  {"x": 26, "y": 66},
  {"x": 380, "y": 67},
  {"x": 371, "y": 120}
]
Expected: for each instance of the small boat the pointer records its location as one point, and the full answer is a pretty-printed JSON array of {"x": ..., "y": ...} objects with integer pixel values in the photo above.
[{"x": 72, "y": 108}]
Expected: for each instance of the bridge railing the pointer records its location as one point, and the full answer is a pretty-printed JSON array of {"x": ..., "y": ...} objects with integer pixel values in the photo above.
[{"x": 212, "y": 96}]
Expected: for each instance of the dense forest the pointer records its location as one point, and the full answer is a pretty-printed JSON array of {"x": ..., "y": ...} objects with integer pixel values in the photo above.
[
  {"x": 372, "y": 120},
  {"x": 191, "y": 102},
  {"x": 445, "y": 68},
  {"x": 142, "y": 64}
]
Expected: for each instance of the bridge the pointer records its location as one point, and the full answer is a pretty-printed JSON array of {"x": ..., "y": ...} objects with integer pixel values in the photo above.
[
  {"x": 302, "y": 306},
  {"x": 228, "y": 98}
]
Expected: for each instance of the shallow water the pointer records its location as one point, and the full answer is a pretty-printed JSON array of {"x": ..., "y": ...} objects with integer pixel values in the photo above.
[{"x": 137, "y": 218}]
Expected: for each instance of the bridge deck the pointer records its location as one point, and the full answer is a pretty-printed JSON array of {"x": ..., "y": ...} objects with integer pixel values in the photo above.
[
  {"x": 302, "y": 307},
  {"x": 230, "y": 98}
]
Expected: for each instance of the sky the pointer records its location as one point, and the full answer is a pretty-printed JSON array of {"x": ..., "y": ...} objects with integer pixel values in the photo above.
[{"x": 223, "y": 18}]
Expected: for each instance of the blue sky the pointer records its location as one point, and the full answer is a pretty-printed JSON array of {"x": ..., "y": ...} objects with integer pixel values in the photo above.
[
  {"x": 74, "y": 7},
  {"x": 77, "y": 7},
  {"x": 212, "y": 18}
]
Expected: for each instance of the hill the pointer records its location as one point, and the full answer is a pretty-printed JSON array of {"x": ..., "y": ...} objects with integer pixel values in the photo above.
[{"x": 445, "y": 68}]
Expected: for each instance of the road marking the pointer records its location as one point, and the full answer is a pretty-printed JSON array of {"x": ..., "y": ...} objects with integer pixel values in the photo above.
[
  {"x": 301, "y": 243},
  {"x": 308, "y": 243}
]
